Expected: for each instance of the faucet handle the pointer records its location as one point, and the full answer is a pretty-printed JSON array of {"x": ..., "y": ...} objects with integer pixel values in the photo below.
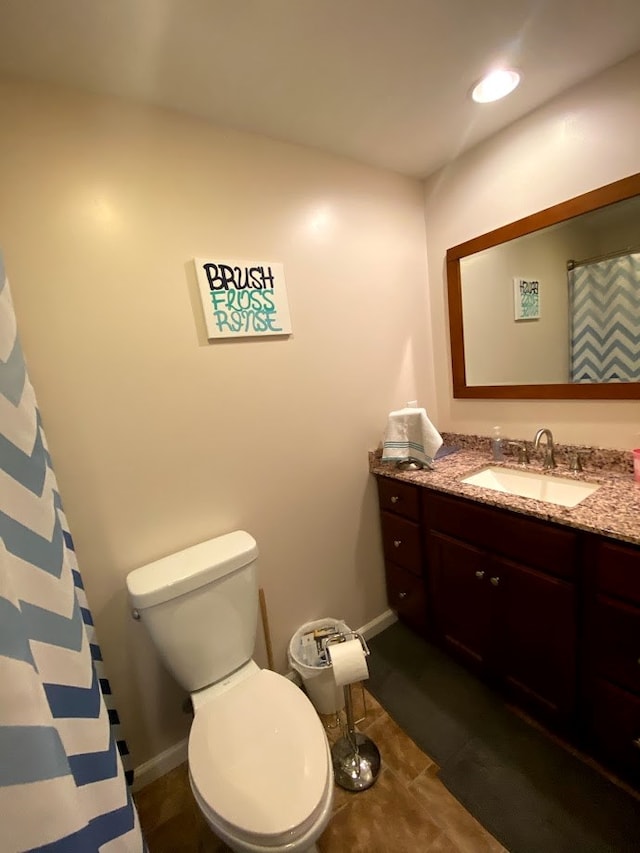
[
  {"x": 523, "y": 453},
  {"x": 575, "y": 461}
]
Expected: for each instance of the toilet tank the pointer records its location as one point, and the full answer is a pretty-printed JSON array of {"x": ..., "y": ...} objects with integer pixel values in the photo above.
[{"x": 200, "y": 607}]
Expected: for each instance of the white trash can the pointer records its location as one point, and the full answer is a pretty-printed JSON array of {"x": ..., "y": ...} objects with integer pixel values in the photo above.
[{"x": 317, "y": 675}]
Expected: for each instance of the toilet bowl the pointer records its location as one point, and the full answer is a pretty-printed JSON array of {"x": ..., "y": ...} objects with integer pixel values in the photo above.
[{"x": 259, "y": 764}]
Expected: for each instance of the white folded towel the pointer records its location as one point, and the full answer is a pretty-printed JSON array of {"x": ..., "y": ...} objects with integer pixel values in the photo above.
[{"x": 410, "y": 435}]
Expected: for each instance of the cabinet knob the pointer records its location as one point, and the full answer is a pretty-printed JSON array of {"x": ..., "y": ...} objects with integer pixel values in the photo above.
[
  {"x": 495, "y": 581},
  {"x": 394, "y": 499},
  {"x": 479, "y": 575},
  {"x": 397, "y": 543},
  {"x": 402, "y": 595}
]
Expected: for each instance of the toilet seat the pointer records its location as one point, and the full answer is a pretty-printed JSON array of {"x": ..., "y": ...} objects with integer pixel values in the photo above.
[{"x": 259, "y": 761}]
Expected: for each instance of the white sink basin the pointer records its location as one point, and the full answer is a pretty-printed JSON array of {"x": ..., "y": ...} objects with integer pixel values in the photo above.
[{"x": 529, "y": 484}]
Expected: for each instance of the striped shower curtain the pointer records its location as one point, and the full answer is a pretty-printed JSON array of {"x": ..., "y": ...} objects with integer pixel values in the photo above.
[
  {"x": 605, "y": 320},
  {"x": 63, "y": 783}
]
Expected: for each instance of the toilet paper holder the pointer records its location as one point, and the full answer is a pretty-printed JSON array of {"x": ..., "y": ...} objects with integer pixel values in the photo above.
[
  {"x": 355, "y": 757},
  {"x": 342, "y": 638}
]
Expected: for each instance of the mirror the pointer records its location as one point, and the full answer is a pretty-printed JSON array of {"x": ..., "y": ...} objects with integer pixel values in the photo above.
[{"x": 526, "y": 314}]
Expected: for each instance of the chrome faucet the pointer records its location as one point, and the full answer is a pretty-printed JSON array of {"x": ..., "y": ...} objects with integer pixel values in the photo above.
[{"x": 548, "y": 460}]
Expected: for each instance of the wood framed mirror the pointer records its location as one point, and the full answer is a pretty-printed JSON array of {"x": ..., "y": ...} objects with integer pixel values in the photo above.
[{"x": 518, "y": 324}]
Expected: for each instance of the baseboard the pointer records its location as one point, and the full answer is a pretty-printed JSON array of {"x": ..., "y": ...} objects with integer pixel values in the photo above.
[
  {"x": 157, "y": 766},
  {"x": 177, "y": 754},
  {"x": 377, "y": 625}
]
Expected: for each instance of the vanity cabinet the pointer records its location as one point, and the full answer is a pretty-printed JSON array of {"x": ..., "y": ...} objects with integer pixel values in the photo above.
[
  {"x": 612, "y": 653},
  {"x": 548, "y": 614},
  {"x": 504, "y": 599},
  {"x": 400, "y": 513}
]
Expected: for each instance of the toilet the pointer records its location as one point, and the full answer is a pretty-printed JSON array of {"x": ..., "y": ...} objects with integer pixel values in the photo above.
[{"x": 259, "y": 761}]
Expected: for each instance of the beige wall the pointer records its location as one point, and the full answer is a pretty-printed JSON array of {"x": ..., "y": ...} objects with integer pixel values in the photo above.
[
  {"x": 582, "y": 140},
  {"x": 160, "y": 439}
]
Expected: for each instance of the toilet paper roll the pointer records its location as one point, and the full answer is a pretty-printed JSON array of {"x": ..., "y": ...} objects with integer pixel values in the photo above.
[{"x": 349, "y": 662}]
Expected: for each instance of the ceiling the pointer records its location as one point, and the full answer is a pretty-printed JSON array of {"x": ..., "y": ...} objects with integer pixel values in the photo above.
[{"x": 385, "y": 82}]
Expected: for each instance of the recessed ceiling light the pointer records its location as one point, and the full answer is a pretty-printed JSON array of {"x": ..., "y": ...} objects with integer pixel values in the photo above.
[{"x": 495, "y": 85}]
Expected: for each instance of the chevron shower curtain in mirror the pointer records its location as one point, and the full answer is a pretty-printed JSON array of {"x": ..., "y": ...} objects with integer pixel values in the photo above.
[
  {"x": 63, "y": 786},
  {"x": 605, "y": 320}
]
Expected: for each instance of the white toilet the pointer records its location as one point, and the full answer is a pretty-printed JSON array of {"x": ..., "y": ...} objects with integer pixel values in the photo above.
[{"x": 259, "y": 761}]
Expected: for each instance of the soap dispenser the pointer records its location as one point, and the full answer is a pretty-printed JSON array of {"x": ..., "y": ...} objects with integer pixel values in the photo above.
[{"x": 497, "y": 445}]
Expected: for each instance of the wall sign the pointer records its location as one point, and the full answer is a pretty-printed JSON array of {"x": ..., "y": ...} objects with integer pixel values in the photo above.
[
  {"x": 526, "y": 296},
  {"x": 243, "y": 299}
]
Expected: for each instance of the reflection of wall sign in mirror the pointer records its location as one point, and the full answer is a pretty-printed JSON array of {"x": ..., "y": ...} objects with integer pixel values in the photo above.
[
  {"x": 243, "y": 298},
  {"x": 526, "y": 294}
]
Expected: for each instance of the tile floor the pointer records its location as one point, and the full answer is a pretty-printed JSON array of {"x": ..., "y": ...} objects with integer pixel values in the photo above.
[{"x": 407, "y": 810}]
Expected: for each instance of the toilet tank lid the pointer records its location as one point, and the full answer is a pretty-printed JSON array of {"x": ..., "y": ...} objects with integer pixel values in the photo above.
[{"x": 190, "y": 569}]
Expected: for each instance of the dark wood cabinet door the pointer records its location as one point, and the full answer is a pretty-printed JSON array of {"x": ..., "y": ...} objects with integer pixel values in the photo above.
[
  {"x": 610, "y": 699},
  {"x": 615, "y": 642},
  {"x": 462, "y": 600},
  {"x": 536, "y": 645},
  {"x": 614, "y": 719}
]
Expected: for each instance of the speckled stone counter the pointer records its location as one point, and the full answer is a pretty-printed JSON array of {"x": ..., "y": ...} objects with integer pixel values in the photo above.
[{"x": 613, "y": 510}]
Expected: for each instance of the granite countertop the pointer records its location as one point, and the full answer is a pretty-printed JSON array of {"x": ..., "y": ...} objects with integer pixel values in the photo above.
[{"x": 613, "y": 510}]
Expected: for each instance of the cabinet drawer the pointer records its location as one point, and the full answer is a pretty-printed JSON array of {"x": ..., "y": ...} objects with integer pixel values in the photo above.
[
  {"x": 615, "y": 726},
  {"x": 401, "y": 542},
  {"x": 616, "y": 642},
  {"x": 401, "y": 498},
  {"x": 534, "y": 543},
  {"x": 406, "y": 595},
  {"x": 618, "y": 571}
]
